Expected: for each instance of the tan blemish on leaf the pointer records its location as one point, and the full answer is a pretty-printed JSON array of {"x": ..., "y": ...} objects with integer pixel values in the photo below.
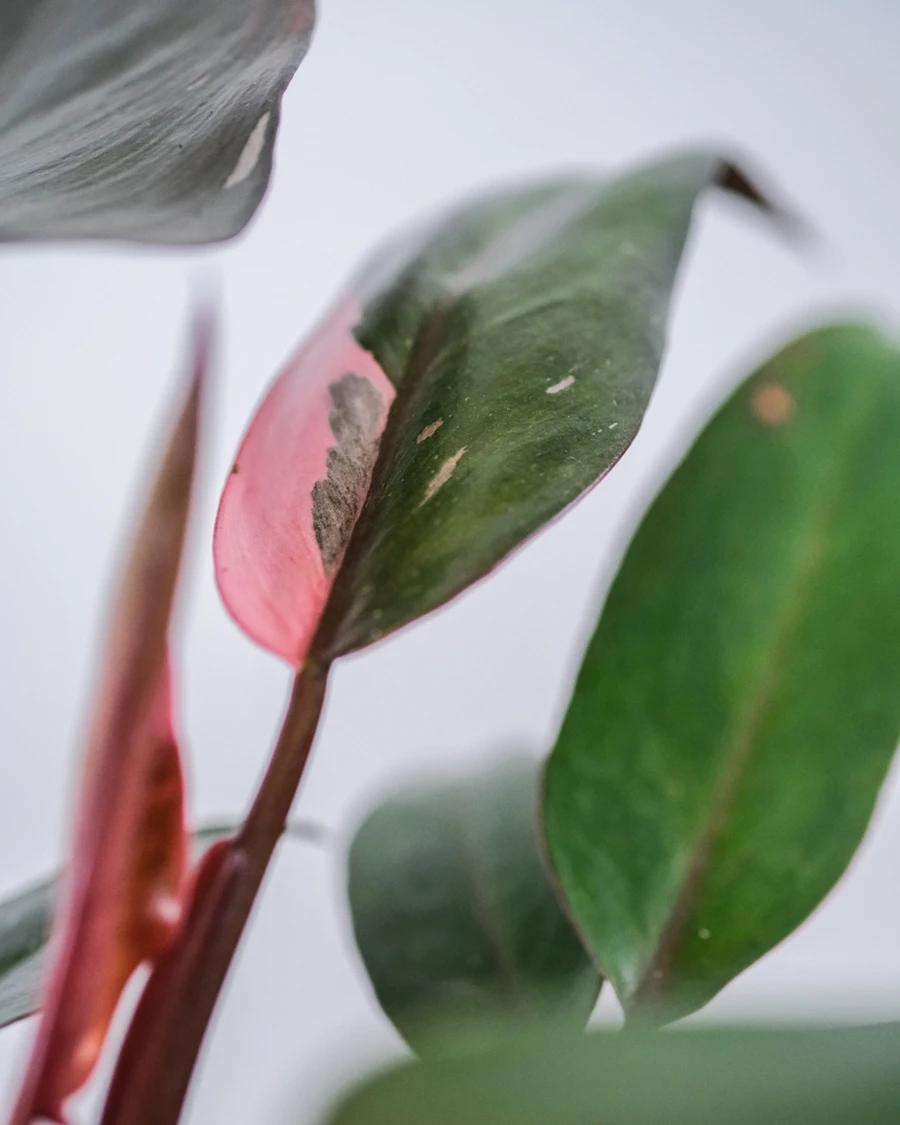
[
  {"x": 250, "y": 153},
  {"x": 444, "y": 473},
  {"x": 561, "y": 385},
  {"x": 429, "y": 430},
  {"x": 772, "y": 404}
]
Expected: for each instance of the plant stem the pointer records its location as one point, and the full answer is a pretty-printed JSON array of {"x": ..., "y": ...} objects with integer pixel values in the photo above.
[{"x": 161, "y": 1047}]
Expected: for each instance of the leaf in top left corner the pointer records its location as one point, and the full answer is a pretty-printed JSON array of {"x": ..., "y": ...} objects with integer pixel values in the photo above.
[{"x": 143, "y": 120}]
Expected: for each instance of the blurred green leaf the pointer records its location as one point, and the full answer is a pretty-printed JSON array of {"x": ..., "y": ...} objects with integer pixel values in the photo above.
[
  {"x": 25, "y": 922},
  {"x": 24, "y": 928},
  {"x": 847, "y": 1077},
  {"x": 453, "y": 913},
  {"x": 147, "y": 120},
  {"x": 524, "y": 335},
  {"x": 739, "y": 703}
]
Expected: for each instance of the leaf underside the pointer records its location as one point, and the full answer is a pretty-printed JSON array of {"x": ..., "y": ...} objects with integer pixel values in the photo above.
[
  {"x": 151, "y": 121},
  {"x": 737, "y": 708}
]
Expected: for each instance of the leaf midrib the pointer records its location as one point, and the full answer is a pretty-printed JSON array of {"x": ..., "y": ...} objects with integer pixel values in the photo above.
[{"x": 652, "y": 987}]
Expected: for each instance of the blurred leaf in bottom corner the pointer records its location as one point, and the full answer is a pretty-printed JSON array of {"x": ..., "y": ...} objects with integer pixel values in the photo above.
[
  {"x": 454, "y": 915},
  {"x": 710, "y": 1077},
  {"x": 739, "y": 704}
]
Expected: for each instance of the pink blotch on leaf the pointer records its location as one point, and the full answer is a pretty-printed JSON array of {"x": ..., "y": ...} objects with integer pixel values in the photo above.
[{"x": 297, "y": 486}]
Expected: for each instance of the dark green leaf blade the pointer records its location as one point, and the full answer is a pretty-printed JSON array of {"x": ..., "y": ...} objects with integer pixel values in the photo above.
[
  {"x": 453, "y": 912},
  {"x": 151, "y": 121},
  {"x": 524, "y": 337},
  {"x": 738, "y": 705},
  {"x": 847, "y": 1077}
]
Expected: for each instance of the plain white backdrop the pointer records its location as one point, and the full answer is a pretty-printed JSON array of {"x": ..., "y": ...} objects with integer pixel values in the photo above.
[{"x": 400, "y": 107}]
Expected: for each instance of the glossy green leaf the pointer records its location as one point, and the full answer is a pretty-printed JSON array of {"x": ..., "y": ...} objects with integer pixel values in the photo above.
[
  {"x": 25, "y": 922},
  {"x": 507, "y": 357},
  {"x": 452, "y": 909},
  {"x": 739, "y": 703},
  {"x": 151, "y": 120},
  {"x": 847, "y": 1077}
]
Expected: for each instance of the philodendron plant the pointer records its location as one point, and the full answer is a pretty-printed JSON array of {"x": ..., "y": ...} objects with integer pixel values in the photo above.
[{"x": 735, "y": 713}]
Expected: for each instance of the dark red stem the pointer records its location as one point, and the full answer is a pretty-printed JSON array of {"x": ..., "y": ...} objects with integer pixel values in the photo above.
[{"x": 157, "y": 1059}]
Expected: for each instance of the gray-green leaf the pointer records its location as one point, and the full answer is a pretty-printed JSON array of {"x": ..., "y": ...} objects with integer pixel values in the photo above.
[
  {"x": 453, "y": 912},
  {"x": 151, "y": 120},
  {"x": 739, "y": 704}
]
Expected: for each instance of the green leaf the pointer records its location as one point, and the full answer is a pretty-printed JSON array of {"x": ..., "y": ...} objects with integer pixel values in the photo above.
[
  {"x": 515, "y": 344},
  {"x": 739, "y": 703},
  {"x": 847, "y": 1077},
  {"x": 524, "y": 338},
  {"x": 151, "y": 120},
  {"x": 25, "y": 923},
  {"x": 454, "y": 915}
]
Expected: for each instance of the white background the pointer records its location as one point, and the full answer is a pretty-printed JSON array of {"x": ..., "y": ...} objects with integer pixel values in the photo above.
[{"x": 400, "y": 106}]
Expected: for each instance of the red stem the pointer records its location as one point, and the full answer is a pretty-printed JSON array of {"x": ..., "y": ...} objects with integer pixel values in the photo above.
[{"x": 160, "y": 1050}]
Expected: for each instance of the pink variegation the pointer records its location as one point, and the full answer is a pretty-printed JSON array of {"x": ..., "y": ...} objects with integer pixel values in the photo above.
[{"x": 297, "y": 486}]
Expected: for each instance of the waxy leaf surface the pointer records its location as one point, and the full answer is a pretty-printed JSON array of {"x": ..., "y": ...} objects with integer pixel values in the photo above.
[
  {"x": 147, "y": 120},
  {"x": 453, "y": 912},
  {"x": 124, "y": 887},
  {"x": 738, "y": 705},
  {"x": 760, "y": 1077},
  {"x": 523, "y": 335}
]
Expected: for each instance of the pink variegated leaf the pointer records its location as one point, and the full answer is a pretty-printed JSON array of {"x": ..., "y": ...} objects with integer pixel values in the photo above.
[
  {"x": 125, "y": 882},
  {"x": 297, "y": 486},
  {"x": 523, "y": 336}
]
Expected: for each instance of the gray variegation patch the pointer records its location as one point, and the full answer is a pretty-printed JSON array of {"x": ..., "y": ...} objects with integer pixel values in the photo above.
[{"x": 356, "y": 414}]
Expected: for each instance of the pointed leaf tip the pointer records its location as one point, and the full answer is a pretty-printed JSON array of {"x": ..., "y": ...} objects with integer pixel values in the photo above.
[{"x": 124, "y": 888}]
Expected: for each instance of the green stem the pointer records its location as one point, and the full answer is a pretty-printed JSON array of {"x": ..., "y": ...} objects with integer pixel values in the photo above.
[{"x": 160, "y": 1050}]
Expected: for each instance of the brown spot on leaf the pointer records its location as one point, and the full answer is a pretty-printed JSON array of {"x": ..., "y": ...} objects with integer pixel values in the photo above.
[
  {"x": 355, "y": 419},
  {"x": 772, "y": 404}
]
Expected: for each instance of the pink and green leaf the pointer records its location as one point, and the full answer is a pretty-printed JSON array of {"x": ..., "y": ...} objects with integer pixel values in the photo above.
[{"x": 523, "y": 335}]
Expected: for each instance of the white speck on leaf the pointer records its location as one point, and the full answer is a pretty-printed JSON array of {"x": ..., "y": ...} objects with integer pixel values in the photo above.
[
  {"x": 612, "y": 425},
  {"x": 444, "y": 473},
  {"x": 561, "y": 386},
  {"x": 198, "y": 82},
  {"x": 429, "y": 430},
  {"x": 703, "y": 933},
  {"x": 250, "y": 153}
]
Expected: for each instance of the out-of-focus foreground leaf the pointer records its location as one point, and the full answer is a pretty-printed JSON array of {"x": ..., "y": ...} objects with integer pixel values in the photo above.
[
  {"x": 25, "y": 923},
  {"x": 738, "y": 706},
  {"x": 453, "y": 912},
  {"x": 523, "y": 336},
  {"x": 126, "y": 881},
  {"x": 763, "y": 1077},
  {"x": 147, "y": 120}
]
